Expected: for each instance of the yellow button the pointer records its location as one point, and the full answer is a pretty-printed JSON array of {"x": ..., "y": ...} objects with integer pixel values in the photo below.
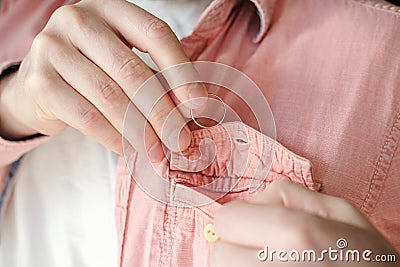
[{"x": 210, "y": 234}]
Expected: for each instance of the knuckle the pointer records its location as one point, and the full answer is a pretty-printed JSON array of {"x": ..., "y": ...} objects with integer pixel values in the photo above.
[
  {"x": 132, "y": 70},
  {"x": 89, "y": 118},
  {"x": 76, "y": 16},
  {"x": 110, "y": 91},
  {"x": 346, "y": 205},
  {"x": 158, "y": 116},
  {"x": 280, "y": 185},
  {"x": 66, "y": 13},
  {"x": 43, "y": 44},
  {"x": 156, "y": 28}
]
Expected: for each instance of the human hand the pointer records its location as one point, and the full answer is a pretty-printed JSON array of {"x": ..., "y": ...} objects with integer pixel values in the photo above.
[
  {"x": 288, "y": 217},
  {"x": 81, "y": 72}
]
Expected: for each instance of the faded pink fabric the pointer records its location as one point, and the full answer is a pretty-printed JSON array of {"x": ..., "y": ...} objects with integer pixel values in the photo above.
[
  {"x": 171, "y": 234},
  {"x": 331, "y": 73},
  {"x": 20, "y": 22}
]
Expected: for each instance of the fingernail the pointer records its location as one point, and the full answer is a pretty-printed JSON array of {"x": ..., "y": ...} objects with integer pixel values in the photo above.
[
  {"x": 156, "y": 153},
  {"x": 180, "y": 140},
  {"x": 197, "y": 94}
]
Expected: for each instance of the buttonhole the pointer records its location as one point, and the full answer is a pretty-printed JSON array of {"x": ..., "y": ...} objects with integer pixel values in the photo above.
[{"x": 240, "y": 141}]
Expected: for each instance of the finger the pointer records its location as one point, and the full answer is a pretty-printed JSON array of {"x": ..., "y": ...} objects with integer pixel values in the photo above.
[
  {"x": 183, "y": 107},
  {"x": 278, "y": 228},
  {"x": 105, "y": 94},
  {"x": 101, "y": 45},
  {"x": 253, "y": 225},
  {"x": 67, "y": 105},
  {"x": 295, "y": 196},
  {"x": 256, "y": 225},
  {"x": 124, "y": 67},
  {"x": 227, "y": 254},
  {"x": 90, "y": 81},
  {"x": 152, "y": 35}
]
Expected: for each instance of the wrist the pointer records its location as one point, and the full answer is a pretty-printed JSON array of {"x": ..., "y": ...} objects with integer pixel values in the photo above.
[{"x": 11, "y": 128}]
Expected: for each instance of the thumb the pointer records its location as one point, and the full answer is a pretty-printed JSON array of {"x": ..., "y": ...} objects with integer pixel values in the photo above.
[{"x": 294, "y": 196}]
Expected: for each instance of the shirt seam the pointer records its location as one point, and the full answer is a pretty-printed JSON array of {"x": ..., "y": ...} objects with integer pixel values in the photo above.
[
  {"x": 169, "y": 229},
  {"x": 382, "y": 167},
  {"x": 379, "y": 6},
  {"x": 127, "y": 212}
]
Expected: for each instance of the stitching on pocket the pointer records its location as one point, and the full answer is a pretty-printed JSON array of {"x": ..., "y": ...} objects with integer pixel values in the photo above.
[
  {"x": 172, "y": 234},
  {"x": 169, "y": 234},
  {"x": 382, "y": 166},
  {"x": 379, "y": 6}
]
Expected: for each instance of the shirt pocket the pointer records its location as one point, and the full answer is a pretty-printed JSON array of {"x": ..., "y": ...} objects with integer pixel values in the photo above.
[
  {"x": 223, "y": 163},
  {"x": 240, "y": 170},
  {"x": 234, "y": 161}
]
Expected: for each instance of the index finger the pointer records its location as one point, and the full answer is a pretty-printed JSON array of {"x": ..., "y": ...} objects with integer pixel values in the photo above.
[{"x": 152, "y": 35}]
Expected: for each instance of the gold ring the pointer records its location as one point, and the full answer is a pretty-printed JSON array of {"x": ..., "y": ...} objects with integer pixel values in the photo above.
[{"x": 223, "y": 117}]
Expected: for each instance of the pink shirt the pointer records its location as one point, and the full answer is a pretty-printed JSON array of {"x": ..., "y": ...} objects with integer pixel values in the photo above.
[{"x": 331, "y": 73}]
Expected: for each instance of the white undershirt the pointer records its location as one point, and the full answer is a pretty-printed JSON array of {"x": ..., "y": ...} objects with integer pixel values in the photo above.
[{"x": 61, "y": 212}]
